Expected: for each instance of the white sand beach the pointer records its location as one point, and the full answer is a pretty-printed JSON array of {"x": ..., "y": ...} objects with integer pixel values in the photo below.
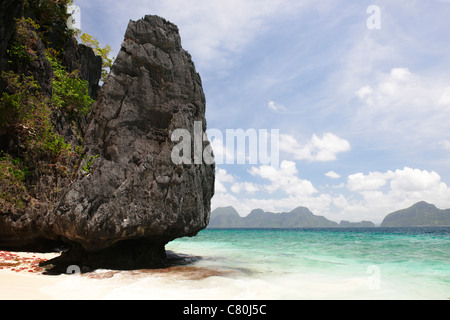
[
  {"x": 21, "y": 278},
  {"x": 23, "y": 286}
]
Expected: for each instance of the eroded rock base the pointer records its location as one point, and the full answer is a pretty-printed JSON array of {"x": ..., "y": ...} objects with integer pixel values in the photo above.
[{"x": 125, "y": 255}]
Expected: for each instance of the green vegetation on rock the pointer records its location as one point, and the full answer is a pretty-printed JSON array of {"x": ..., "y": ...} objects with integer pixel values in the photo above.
[
  {"x": 43, "y": 107},
  {"x": 93, "y": 43},
  {"x": 70, "y": 93}
]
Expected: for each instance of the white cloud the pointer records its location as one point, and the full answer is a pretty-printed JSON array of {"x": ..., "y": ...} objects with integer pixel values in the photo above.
[
  {"x": 372, "y": 181},
  {"x": 404, "y": 180},
  {"x": 445, "y": 144},
  {"x": 222, "y": 177},
  {"x": 215, "y": 31},
  {"x": 363, "y": 58},
  {"x": 402, "y": 106},
  {"x": 226, "y": 199},
  {"x": 364, "y": 92},
  {"x": 444, "y": 100},
  {"x": 369, "y": 196},
  {"x": 384, "y": 192},
  {"x": 332, "y": 175},
  {"x": 284, "y": 179},
  {"x": 317, "y": 149},
  {"x": 276, "y": 107},
  {"x": 394, "y": 91},
  {"x": 248, "y": 187},
  {"x": 221, "y": 152},
  {"x": 282, "y": 190},
  {"x": 415, "y": 180},
  {"x": 219, "y": 187},
  {"x": 341, "y": 202}
]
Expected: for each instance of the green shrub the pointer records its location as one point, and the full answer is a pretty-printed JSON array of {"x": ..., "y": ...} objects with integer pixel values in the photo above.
[
  {"x": 22, "y": 50},
  {"x": 70, "y": 93},
  {"x": 25, "y": 112},
  {"x": 93, "y": 43},
  {"x": 17, "y": 52},
  {"x": 86, "y": 168},
  {"x": 12, "y": 181},
  {"x": 51, "y": 16}
]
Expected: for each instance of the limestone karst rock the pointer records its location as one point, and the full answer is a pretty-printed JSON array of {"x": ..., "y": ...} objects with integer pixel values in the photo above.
[
  {"x": 22, "y": 224},
  {"x": 129, "y": 199}
]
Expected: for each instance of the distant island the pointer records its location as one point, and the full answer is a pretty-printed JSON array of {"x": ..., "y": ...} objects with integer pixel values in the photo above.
[
  {"x": 421, "y": 214},
  {"x": 300, "y": 217}
]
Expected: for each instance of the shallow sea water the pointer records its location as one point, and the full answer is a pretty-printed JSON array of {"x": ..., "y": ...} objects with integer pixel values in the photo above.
[{"x": 287, "y": 264}]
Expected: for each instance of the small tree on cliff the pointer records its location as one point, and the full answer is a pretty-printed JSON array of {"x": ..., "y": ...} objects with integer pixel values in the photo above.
[{"x": 93, "y": 43}]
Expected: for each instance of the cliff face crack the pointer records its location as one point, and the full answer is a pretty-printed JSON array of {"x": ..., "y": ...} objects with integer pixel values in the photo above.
[{"x": 116, "y": 115}]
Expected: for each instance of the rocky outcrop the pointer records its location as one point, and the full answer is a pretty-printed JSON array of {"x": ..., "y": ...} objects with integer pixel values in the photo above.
[
  {"x": 9, "y": 11},
  {"x": 22, "y": 227},
  {"x": 129, "y": 199},
  {"x": 75, "y": 56},
  {"x": 126, "y": 199}
]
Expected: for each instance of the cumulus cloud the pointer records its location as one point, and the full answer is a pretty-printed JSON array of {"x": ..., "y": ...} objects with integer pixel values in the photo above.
[
  {"x": 401, "y": 86},
  {"x": 280, "y": 190},
  {"x": 221, "y": 152},
  {"x": 404, "y": 180},
  {"x": 368, "y": 196},
  {"x": 415, "y": 180},
  {"x": 317, "y": 149},
  {"x": 222, "y": 177},
  {"x": 332, "y": 175},
  {"x": 285, "y": 179},
  {"x": 247, "y": 187},
  {"x": 372, "y": 181},
  {"x": 383, "y": 192}
]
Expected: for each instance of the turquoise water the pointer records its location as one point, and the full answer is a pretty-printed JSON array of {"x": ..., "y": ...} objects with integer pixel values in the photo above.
[{"x": 373, "y": 263}]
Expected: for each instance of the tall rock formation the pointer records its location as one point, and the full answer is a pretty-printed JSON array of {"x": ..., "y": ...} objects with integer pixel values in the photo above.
[{"x": 129, "y": 199}]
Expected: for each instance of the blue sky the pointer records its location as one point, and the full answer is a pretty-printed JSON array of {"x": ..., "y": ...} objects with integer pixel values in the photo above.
[{"x": 363, "y": 113}]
